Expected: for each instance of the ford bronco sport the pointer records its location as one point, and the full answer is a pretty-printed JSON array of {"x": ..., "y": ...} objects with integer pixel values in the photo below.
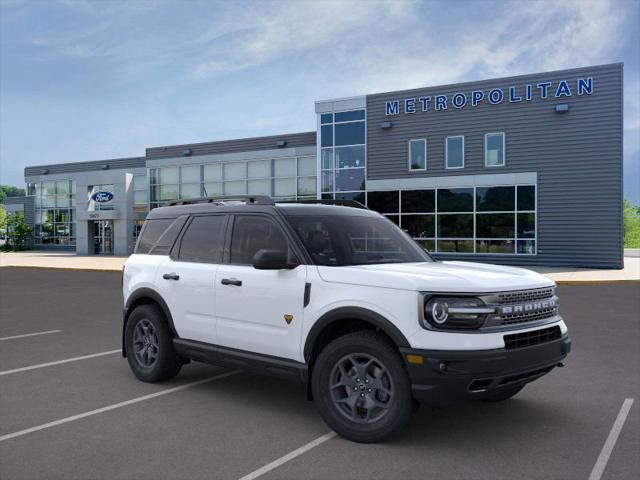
[{"x": 338, "y": 297}]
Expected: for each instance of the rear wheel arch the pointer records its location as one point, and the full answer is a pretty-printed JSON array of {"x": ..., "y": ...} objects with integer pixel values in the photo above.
[{"x": 146, "y": 296}]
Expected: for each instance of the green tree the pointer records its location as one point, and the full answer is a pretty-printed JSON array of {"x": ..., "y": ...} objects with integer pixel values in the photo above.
[
  {"x": 10, "y": 191},
  {"x": 17, "y": 230},
  {"x": 631, "y": 225},
  {"x": 3, "y": 218}
]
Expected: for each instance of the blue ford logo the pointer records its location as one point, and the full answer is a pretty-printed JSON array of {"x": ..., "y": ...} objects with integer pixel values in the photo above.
[{"x": 102, "y": 197}]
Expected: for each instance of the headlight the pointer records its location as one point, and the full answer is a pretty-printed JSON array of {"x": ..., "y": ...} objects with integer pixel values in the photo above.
[{"x": 455, "y": 312}]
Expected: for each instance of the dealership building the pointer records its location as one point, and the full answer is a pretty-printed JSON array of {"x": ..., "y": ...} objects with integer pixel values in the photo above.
[{"x": 522, "y": 170}]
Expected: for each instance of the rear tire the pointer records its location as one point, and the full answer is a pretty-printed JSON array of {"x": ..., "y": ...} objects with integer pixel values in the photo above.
[
  {"x": 149, "y": 345},
  {"x": 361, "y": 387},
  {"x": 503, "y": 394}
]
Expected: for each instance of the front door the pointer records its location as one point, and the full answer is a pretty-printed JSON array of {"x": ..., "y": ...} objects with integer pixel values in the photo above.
[
  {"x": 103, "y": 237},
  {"x": 259, "y": 310}
]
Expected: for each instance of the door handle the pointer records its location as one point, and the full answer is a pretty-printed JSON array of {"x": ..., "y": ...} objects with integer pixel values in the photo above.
[
  {"x": 231, "y": 281},
  {"x": 171, "y": 276}
]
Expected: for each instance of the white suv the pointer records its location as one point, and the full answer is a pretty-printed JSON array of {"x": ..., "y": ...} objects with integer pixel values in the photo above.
[{"x": 339, "y": 298}]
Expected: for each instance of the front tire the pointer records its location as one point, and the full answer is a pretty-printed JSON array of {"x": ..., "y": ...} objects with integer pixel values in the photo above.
[
  {"x": 149, "y": 345},
  {"x": 361, "y": 387}
]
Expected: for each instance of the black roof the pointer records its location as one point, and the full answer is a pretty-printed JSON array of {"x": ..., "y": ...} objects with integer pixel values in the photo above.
[{"x": 286, "y": 208}]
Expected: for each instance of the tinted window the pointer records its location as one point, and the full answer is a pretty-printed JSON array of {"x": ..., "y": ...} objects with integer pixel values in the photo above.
[
  {"x": 455, "y": 200},
  {"x": 455, "y": 152},
  {"x": 326, "y": 118},
  {"x": 252, "y": 233},
  {"x": 337, "y": 240},
  {"x": 167, "y": 239},
  {"x": 383, "y": 202},
  {"x": 349, "y": 133},
  {"x": 527, "y": 197},
  {"x": 495, "y": 225},
  {"x": 327, "y": 135},
  {"x": 151, "y": 232},
  {"x": 417, "y": 154},
  {"x": 420, "y": 226},
  {"x": 455, "y": 226},
  {"x": 348, "y": 116},
  {"x": 350, "y": 179},
  {"x": 495, "y": 199},
  {"x": 204, "y": 240},
  {"x": 418, "y": 201}
]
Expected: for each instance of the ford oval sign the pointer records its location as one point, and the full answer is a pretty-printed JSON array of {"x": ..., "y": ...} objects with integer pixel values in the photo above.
[{"x": 102, "y": 197}]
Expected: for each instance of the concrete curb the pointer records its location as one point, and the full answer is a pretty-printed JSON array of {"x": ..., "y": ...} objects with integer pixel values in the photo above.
[
  {"x": 598, "y": 282},
  {"x": 79, "y": 269}
]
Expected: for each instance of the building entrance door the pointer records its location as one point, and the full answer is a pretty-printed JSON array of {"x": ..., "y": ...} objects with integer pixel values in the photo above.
[{"x": 103, "y": 237}]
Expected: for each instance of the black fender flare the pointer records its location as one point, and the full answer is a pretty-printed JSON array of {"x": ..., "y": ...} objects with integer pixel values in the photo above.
[
  {"x": 353, "y": 313},
  {"x": 155, "y": 297}
]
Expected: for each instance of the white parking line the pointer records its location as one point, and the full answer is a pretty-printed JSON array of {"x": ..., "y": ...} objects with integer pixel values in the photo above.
[
  {"x": 289, "y": 456},
  {"x": 58, "y": 362},
  {"x": 30, "y": 335},
  {"x": 115, "y": 405},
  {"x": 601, "y": 463}
]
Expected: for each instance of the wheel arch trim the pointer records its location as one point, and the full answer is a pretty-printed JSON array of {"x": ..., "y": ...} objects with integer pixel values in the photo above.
[
  {"x": 155, "y": 297},
  {"x": 353, "y": 313}
]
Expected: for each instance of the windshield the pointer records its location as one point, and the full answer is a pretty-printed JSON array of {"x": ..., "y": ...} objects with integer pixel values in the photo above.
[{"x": 341, "y": 240}]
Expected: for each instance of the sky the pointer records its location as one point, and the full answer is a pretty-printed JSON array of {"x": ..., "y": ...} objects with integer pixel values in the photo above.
[{"x": 88, "y": 80}]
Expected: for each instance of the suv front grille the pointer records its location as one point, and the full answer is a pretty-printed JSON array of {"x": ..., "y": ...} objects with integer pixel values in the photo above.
[
  {"x": 534, "y": 337},
  {"x": 528, "y": 317},
  {"x": 525, "y": 295}
]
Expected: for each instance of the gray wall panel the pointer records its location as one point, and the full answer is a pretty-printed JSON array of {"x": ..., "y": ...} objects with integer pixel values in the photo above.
[
  {"x": 230, "y": 146},
  {"x": 577, "y": 156},
  {"x": 97, "y": 165}
]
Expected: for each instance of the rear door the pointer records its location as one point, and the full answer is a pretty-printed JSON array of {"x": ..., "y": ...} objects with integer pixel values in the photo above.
[
  {"x": 187, "y": 278},
  {"x": 259, "y": 310}
]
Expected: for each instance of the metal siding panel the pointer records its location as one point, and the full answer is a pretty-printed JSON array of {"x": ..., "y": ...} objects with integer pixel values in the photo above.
[
  {"x": 230, "y": 146},
  {"x": 114, "y": 164},
  {"x": 577, "y": 155}
]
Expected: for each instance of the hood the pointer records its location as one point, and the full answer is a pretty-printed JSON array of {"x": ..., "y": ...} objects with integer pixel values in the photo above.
[{"x": 457, "y": 277}]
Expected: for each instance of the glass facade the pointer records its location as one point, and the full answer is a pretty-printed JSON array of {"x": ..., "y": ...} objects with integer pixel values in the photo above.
[
  {"x": 54, "y": 212},
  {"x": 481, "y": 220},
  {"x": 343, "y": 155},
  {"x": 281, "y": 178}
]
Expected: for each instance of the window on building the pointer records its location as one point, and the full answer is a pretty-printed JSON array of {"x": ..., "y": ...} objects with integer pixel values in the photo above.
[
  {"x": 384, "y": 202},
  {"x": 343, "y": 154},
  {"x": 140, "y": 190},
  {"x": 203, "y": 241},
  {"x": 494, "y": 147},
  {"x": 489, "y": 220},
  {"x": 454, "y": 152},
  {"x": 54, "y": 222},
  {"x": 418, "y": 154},
  {"x": 283, "y": 178}
]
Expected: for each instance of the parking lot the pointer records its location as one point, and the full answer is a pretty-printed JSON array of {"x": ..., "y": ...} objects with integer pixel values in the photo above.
[{"x": 90, "y": 418}]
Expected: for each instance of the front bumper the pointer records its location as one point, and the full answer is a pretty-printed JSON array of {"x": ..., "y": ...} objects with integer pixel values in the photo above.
[{"x": 445, "y": 377}]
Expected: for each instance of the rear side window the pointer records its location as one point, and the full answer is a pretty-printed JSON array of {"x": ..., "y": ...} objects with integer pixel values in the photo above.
[
  {"x": 203, "y": 240},
  {"x": 151, "y": 232},
  {"x": 167, "y": 239},
  {"x": 252, "y": 233}
]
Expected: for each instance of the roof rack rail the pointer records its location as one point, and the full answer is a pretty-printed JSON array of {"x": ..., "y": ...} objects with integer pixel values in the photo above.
[
  {"x": 248, "y": 199},
  {"x": 326, "y": 201}
]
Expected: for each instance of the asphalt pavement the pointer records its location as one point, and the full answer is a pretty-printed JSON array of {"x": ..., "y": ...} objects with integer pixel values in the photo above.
[{"x": 71, "y": 409}]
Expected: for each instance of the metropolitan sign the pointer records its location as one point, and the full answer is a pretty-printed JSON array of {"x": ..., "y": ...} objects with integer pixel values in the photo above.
[{"x": 494, "y": 96}]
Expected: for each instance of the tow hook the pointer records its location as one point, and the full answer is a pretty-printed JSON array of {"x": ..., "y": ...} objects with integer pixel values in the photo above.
[{"x": 560, "y": 364}]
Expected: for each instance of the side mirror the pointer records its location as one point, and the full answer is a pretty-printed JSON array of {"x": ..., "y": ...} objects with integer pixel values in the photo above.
[{"x": 271, "y": 260}]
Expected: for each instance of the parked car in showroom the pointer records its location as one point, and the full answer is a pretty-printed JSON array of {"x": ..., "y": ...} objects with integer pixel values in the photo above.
[{"x": 338, "y": 297}]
